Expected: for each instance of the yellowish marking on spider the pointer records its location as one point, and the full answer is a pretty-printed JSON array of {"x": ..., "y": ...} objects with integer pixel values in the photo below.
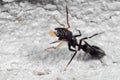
[{"x": 52, "y": 33}]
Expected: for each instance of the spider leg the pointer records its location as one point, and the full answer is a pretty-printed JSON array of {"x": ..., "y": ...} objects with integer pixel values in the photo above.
[
  {"x": 69, "y": 46},
  {"x": 79, "y": 34},
  {"x": 55, "y": 41},
  {"x": 58, "y": 41},
  {"x": 58, "y": 22},
  {"x": 54, "y": 47},
  {"x": 68, "y": 25},
  {"x": 95, "y": 34},
  {"x": 67, "y": 18},
  {"x": 70, "y": 60},
  {"x": 88, "y": 45},
  {"x": 80, "y": 43}
]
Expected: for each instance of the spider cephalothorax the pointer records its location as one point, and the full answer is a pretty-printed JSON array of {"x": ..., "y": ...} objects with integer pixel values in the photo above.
[{"x": 63, "y": 33}]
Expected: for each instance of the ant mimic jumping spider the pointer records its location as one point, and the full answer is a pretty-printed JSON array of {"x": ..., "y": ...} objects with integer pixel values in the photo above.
[{"x": 64, "y": 34}]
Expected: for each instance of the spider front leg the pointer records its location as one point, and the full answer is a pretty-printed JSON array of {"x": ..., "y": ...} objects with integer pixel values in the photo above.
[
  {"x": 54, "y": 47},
  {"x": 57, "y": 45},
  {"x": 67, "y": 18}
]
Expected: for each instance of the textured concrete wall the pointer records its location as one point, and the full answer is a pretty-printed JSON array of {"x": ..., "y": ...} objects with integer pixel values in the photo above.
[{"x": 24, "y": 36}]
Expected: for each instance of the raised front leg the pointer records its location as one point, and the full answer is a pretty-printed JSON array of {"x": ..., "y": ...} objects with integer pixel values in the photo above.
[{"x": 67, "y": 18}]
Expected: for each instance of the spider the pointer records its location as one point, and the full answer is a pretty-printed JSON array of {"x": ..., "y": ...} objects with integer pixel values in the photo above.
[{"x": 64, "y": 34}]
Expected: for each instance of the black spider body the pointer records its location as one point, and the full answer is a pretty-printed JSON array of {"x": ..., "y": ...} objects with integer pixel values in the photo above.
[{"x": 63, "y": 33}]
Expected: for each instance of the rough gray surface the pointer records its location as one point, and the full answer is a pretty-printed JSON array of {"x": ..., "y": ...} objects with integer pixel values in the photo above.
[{"x": 24, "y": 36}]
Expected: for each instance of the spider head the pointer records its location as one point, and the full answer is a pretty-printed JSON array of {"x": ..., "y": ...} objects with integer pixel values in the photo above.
[{"x": 57, "y": 32}]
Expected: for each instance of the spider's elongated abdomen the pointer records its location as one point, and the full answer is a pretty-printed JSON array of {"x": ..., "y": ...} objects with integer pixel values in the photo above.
[
  {"x": 97, "y": 52},
  {"x": 94, "y": 51}
]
